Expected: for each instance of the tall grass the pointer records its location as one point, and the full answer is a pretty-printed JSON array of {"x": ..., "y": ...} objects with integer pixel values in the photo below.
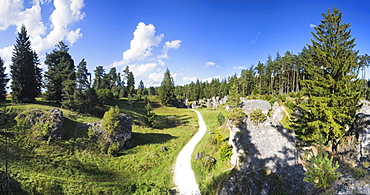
[{"x": 75, "y": 165}]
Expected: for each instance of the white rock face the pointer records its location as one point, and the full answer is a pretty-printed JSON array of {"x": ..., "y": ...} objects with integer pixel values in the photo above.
[{"x": 250, "y": 105}]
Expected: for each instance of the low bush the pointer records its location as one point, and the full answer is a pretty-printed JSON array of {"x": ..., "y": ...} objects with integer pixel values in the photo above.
[{"x": 257, "y": 116}]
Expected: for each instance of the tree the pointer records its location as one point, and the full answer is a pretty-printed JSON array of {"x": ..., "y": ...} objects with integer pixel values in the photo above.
[
  {"x": 140, "y": 89},
  {"x": 99, "y": 78},
  {"x": 130, "y": 81},
  {"x": 321, "y": 172},
  {"x": 26, "y": 76},
  {"x": 82, "y": 77},
  {"x": 149, "y": 118},
  {"x": 111, "y": 120},
  {"x": 167, "y": 89},
  {"x": 332, "y": 85},
  {"x": 3, "y": 81},
  {"x": 60, "y": 77}
]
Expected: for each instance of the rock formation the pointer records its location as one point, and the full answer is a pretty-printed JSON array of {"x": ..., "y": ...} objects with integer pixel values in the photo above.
[
  {"x": 122, "y": 136},
  {"x": 265, "y": 155},
  {"x": 54, "y": 118}
]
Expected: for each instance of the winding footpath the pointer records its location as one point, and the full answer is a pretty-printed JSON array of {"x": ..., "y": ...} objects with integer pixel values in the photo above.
[{"x": 183, "y": 174}]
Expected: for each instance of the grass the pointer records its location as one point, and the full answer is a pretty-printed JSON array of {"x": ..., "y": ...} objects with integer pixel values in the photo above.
[
  {"x": 76, "y": 165},
  {"x": 210, "y": 180}
]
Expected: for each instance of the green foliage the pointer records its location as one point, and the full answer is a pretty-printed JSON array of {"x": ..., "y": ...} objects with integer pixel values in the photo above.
[
  {"x": 149, "y": 117},
  {"x": 257, "y": 116},
  {"x": 236, "y": 116},
  {"x": 166, "y": 91},
  {"x": 26, "y": 76},
  {"x": 333, "y": 87},
  {"x": 3, "y": 81},
  {"x": 130, "y": 100},
  {"x": 61, "y": 77},
  {"x": 220, "y": 119},
  {"x": 113, "y": 149},
  {"x": 111, "y": 120},
  {"x": 321, "y": 172},
  {"x": 225, "y": 151},
  {"x": 104, "y": 95}
]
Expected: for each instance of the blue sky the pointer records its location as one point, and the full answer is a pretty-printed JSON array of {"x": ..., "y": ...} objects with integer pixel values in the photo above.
[{"x": 193, "y": 39}]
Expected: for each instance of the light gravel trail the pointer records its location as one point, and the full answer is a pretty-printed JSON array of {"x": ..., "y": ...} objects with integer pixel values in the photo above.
[{"x": 183, "y": 173}]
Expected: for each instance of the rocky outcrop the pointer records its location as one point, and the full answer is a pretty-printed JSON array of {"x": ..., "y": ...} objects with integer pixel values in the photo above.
[
  {"x": 250, "y": 105},
  {"x": 264, "y": 155},
  {"x": 122, "y": 136},
  {"x": 53, "y": 121},
  {"x": 214, "y": 102}
]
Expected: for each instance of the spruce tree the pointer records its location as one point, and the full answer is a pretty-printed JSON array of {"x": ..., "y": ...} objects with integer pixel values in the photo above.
[
  {"x": 3, "y": 81},
  {"x": 332, "y": 83},
  {"x": 99, "y": 78},
  {"x": 26, "y": 76},
  {"x": 60, "y": 77},
  {"x": 130, "y": 81},
  {"x": 82, "y": 77},
  {"x": 167, "y": 89}
]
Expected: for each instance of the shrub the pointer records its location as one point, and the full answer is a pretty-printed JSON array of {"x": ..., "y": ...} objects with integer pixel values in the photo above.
[
  {"x": 236, "y": 116},
  {"x": 113, "y": 149},
  {"x": 149, "y": 118},
  {"x": 220, "y": 119},
  {"x": 111, "y": 120},
  {"x": 104, "y": 95},
  {"x": 321, "y": 172},
  {"x": 225, "y": 151},
  {"x": 257, "y": 116}
]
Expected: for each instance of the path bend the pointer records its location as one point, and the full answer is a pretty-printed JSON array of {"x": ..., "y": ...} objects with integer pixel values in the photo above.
[{"x": 183, "y": 173}]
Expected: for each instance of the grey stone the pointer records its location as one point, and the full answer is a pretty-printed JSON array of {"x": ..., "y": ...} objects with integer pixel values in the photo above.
[
  {"x": 122, "y": 136},
  {"x": 250, "y": 105}
]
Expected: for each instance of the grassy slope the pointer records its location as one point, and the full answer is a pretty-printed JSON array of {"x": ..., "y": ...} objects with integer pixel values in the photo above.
[
  {"x": 75, "y": 165},
  {"x": 209, "y": 180}
]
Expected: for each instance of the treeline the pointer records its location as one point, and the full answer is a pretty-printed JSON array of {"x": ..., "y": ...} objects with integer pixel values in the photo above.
[{"x": 277, "y": 76}]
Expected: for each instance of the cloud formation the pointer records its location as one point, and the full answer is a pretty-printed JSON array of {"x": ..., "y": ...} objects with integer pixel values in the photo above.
[
  {"x": 42, "y": 35},
  {"x": 312, "y": 26},
  {"x": 208, "y": 64},
  {"x": 140, "y": 56},
  {"x": 209, "y": 79}
]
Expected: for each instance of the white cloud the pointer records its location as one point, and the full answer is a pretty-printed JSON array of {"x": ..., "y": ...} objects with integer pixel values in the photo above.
[
  {"x": 142, "y": 70},
  {"x": 140, "y": 56},
  {"x": 209, "y": 79},
  {"x": 155, "y": 79},
  {"x": 42, "y": 35},
  {"x": 312, "y": 26},
  {"x": 208, "y": 64},
  {"x": 142, "y": 44},
  {"x": 239, "y": 67},
  {"x": 189, "y": 79}
]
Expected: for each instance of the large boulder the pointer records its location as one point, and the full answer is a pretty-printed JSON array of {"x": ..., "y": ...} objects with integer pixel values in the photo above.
[
  {"x": 53, "y": 122},
  {"x": 121, "y": 136},
  {"x": 250, "y": 105}
]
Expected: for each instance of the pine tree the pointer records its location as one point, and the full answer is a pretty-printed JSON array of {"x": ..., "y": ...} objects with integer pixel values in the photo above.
[
  {"x": 82, "y": 77},
  {"x": 130, "y": 81},
  {"x": 321, "y": 172},
  {"x": 167, "y": 89},
  {"x": 99, "y": 78},
  {"x": 332, "y": 85},
  {"x": 26, "y": 76},
  {"x": 60, "y": 74},
  {"x": 149, "y": 114},
  {"x": 3, "y": 81}
]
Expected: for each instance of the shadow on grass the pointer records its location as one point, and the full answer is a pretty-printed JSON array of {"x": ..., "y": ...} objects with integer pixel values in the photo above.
[
  {"x": 170, "y": 121},
  {"x": 74, "y": 129},
  {"x": 149, "y": 138}
]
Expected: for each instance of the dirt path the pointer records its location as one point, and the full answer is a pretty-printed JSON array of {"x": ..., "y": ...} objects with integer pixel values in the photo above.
[{"x": 183, "y": 174}]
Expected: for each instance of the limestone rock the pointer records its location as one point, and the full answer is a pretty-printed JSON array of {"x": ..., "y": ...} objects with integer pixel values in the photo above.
[
  {"x": 54, "y": 118},
  {"x": 122, "y": 136},
  {"x": 250, "y": 105}
]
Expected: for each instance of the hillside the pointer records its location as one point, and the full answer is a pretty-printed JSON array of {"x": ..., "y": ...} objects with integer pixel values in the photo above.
[{"x": 75, "y": 165}]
